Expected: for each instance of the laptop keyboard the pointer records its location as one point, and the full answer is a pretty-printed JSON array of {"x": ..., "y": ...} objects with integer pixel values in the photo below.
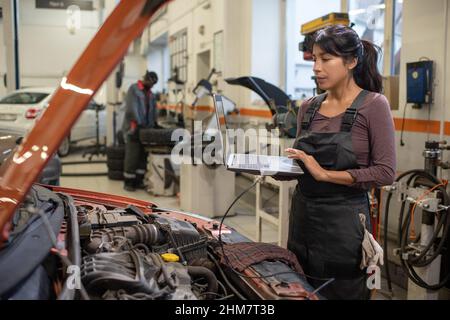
[
  {"x": 250, "y": 166},
  {"x": 266, "y": 165},
  {"x": 251, "y": 161}
]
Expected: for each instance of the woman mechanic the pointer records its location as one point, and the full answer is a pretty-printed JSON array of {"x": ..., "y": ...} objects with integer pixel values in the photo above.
[{"x": 345, "y": 145}]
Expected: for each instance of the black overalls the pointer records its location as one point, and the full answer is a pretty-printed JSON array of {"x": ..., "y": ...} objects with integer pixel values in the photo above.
[{"x": 325, "y": 231}]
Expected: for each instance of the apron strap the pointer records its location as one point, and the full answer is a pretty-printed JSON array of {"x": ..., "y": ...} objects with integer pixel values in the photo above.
[
  {"x": 311, "y": 112},
  {"x": 350, "y": 114}
]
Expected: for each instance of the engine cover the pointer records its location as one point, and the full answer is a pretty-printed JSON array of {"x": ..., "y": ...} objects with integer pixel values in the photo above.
[{"x": 131, "y": 275}]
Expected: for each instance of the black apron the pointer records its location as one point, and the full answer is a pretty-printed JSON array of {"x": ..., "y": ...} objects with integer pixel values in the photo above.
[{"x": 325, "y": 231}]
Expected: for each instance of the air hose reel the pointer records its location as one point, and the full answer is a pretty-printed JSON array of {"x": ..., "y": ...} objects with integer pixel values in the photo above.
[{"x": 422, "y": 189}]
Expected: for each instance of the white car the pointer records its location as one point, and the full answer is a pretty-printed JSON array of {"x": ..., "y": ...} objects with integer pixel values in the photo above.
[{"x": 20, "y": 110}]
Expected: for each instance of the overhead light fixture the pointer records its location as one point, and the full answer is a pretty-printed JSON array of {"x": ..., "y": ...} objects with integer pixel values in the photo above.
[{"x": 73, "y": 22}]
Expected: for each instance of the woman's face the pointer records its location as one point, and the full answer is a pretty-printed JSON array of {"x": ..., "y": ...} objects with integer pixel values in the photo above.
[{"x": 330, "y": 70}]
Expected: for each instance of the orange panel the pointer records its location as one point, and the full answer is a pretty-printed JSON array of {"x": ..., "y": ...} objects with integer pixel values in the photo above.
[
  {"x": 255, "y": 113},
  {"x": 417, "y": 125}
]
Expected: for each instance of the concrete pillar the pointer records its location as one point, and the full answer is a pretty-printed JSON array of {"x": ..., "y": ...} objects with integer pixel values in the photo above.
[{"x": 11, "y": 39}]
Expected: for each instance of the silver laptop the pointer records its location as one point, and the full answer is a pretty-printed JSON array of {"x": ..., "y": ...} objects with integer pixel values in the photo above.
[{"x": 263, "y": 165}]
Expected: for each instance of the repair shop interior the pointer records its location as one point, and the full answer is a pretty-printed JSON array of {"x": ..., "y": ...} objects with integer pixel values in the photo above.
[{"x": 224, "y": 150}]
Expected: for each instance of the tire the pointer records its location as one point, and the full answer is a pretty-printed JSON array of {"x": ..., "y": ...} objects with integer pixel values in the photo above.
[
  {"x": 115, "y": 164},
  {"x": 157, "y": 137},
  {"x": 64, "y": 147},
  {"x": 117, "y": 153},
  {"x": 115, "y": 175}
]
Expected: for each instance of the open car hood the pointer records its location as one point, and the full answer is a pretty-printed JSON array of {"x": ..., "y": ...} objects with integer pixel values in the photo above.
[
  {"x": 265, "y": 90},
  {"x": 7, "y": 145},
  {"x": 103, "y": 53}
]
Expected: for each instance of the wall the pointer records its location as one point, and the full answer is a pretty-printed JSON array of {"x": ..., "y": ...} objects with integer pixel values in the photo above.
[
  {"x": 135, "y": 66},
  {"x": 233, "y": 17},
  {"x": 424, "y": 35},
  {"x": 47, "y": 50},
  {"x": 267, "y": 39},
  {"x": 428, "y": 40},
  {"x": 252, "y": 41},
  {"x": 237, "y": 48},
  {"x": 45, "y": 58},
  {"x": 158, "y": 61}
]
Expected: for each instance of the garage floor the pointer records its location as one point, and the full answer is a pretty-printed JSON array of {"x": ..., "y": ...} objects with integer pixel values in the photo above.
[{"x": 243, "y": 221}]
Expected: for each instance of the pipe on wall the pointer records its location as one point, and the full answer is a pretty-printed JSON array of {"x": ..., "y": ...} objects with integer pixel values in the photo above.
[{"x": 444, "y": 69}]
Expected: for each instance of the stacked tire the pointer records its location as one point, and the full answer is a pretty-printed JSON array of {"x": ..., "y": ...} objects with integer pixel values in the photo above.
[
  {"x": 157, "y": 137},
  {"x": 115, "y": 156}
]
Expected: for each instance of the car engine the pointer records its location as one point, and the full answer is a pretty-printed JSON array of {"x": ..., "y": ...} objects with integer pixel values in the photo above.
[{"x": 129, "y": 255}]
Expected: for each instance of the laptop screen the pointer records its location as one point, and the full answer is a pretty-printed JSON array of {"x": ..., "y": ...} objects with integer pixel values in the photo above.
[{"x": 222, "y": 105}]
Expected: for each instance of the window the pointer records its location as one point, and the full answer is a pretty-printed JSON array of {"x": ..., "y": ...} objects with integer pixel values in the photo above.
[
  {"x": 397, "y": 37},
  {"x": 368, "y": 17},
  {"x": 24, "y": 98},
  {"x": 299, "y": 82},
  {"x": 179, "y": 55}
]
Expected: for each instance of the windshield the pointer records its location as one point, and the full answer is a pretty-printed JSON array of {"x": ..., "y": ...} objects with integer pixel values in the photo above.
[{"x": 24, "y": 98}]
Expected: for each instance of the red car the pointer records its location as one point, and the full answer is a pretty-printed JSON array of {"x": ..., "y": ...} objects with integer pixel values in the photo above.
[{"x": 59, "y": 243}]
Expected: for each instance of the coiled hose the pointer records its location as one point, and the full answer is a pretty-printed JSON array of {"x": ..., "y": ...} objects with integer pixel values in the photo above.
[{"x": 424, "y": 258}]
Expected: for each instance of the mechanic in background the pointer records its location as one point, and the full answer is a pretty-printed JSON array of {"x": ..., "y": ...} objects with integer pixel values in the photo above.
[{"x": 140, "y": 113}]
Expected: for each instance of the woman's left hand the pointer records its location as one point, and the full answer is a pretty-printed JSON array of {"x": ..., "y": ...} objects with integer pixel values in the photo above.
[{"x": 314, "y": 168}]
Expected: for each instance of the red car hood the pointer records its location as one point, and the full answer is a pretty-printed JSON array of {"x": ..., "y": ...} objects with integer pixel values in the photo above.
[{"x": 103, "y": 53}]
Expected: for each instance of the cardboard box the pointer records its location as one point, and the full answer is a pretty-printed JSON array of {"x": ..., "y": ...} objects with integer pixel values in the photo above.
[{"x": 391, "y": 91}]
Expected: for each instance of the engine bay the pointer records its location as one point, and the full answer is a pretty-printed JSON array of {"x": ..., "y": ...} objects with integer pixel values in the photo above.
[{"x": 71, "y": 246}]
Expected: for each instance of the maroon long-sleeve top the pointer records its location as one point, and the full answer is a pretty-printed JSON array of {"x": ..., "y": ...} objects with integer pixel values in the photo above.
[{"x": 373, "y": 138}]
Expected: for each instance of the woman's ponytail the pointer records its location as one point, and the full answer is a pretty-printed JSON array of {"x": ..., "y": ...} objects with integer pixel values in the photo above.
[{"x": 366, "y": 74}]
